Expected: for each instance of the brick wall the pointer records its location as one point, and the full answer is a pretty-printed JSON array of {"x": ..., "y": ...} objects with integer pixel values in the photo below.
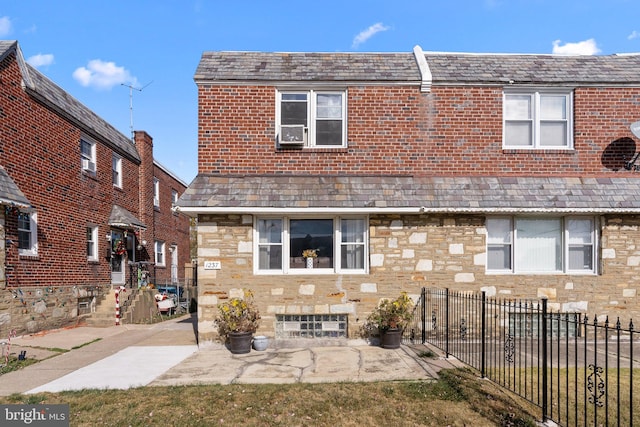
[
  {"x": 398, "y": 130},
  {"x": 407, "y": 253}
]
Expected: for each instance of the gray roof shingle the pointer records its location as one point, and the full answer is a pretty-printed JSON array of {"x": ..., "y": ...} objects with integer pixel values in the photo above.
[
  {"x": 10, "y": 194},
  {"x": 441, "y": 194},
  {"x": 283, "y": 67},
  {"x": 543, "y": 69}
]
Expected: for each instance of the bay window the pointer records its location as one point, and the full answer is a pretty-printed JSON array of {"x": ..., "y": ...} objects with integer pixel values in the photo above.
[
  {"x": 311, "y": 245},
  {"x": 541, "y": 245}
]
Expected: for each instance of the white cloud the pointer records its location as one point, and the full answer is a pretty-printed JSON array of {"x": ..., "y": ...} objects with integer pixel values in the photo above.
[
  {"x": 365, "y": 35},
  {"x": 634, "y": 35},
  {"x": 40, "y": 59},
  {"x": 5, "y": 26},
  {"x": 103, "y": 75},
  {"x": 586, "y": 47}
]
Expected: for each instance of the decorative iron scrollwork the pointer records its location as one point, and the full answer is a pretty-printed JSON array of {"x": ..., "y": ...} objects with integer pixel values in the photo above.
[
  {"x": 595, "y": 385},
  {"x": 509, "y": 347},
  {"x": 463, "y": 329}
]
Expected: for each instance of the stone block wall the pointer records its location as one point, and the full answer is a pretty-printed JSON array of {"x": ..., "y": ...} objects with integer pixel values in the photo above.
[
  {"x": 407, "y": 253},
  {"x": 28, "y": 310}
]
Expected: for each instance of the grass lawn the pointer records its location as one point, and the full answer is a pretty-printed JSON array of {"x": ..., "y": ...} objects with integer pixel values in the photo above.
[{"x": 458, "y": 398}]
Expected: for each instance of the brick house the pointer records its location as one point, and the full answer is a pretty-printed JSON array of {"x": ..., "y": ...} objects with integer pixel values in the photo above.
[
  {"x": 512, "y": 174},
  {"x": 83, "y": 206}
]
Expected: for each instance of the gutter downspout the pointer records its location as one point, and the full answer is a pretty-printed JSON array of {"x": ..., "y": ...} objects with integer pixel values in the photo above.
[{"x": 425, "y": 71}]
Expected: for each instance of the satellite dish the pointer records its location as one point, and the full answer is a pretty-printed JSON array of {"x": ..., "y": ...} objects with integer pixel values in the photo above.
[{"x": 635, "y": 129}]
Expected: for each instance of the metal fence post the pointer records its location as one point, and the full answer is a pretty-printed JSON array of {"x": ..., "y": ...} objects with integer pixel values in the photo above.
[
  {"x": 424, "y": 315},
  {"x": 446, "y": 322},
  {"x": 483, "y": 335},
  {"x": 544, "y": 362}
]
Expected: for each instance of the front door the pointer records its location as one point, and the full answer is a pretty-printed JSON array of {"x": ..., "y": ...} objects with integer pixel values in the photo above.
[{"x": 117, "y": 257}]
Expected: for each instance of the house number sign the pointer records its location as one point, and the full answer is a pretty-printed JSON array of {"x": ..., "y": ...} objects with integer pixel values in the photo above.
[{"x": 212, "y": 265}]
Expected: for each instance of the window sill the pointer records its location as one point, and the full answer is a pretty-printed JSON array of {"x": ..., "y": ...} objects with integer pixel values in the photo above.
[
  {"x": 538, "y": 150},
  {"x": 307, "y": 150}
]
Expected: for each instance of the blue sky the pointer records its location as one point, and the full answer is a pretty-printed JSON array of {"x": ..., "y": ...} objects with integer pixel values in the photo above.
[{"x": 103, "y": 51}]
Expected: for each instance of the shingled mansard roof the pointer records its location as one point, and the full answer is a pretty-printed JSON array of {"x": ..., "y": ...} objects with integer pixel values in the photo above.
[
  {"x": 472, "y": 194},
  {"x": 369, "y": 194},
  {"x": 54, "y": 97},
  {"x": 10, "y": 194}
]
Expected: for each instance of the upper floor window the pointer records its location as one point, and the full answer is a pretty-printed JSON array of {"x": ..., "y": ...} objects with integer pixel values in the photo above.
[
  {"x": 116, "y": 171},
  {"x": 92, "y": 243},
  {"x": 28, "y": 233},
  {"x": 312, "y": 118},
  {"x": 283, "y": 245},
  {"x": 541, "y": 245},
  {"x": 174, "y": 197},
  {"x": 159, "y": 250},
  {"x": 539, "y": 119},
  {"x": 156, "y": 192},
  {"x": 88, "y": 155}
]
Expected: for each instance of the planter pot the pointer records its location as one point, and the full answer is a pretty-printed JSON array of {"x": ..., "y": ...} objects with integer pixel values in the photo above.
[
  {"x": 239, "y": 342},
  {"x": 391, "y": 338},
  {"x": 260, "y": 343},
  {"x": 309, "y": 262}
]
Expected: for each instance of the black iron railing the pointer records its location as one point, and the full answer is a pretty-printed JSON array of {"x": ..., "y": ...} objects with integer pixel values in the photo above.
[{"x": 578, "y": 371}]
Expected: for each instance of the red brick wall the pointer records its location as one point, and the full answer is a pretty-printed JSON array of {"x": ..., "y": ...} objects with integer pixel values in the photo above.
[
  {"x": 171, "y": 228},
  {"x": 41, "y": 152},
  {"x": 399, "y": 130}
]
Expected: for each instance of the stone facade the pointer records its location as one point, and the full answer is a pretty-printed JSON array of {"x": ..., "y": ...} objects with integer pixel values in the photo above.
[
  {"x": 408, "y": 252},
  {"x": 426, "y": 158}
]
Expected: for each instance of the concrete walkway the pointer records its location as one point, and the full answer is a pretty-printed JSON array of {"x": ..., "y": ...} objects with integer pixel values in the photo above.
[{"x": 165, "y": 354}]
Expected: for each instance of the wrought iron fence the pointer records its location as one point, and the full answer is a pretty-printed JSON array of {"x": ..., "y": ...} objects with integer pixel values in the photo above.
[{"x": 579, "y": 371}]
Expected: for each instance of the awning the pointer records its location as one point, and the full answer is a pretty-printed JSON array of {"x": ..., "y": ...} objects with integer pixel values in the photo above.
[
  {"x": 10, "y": 194},
  {"x": 120, "y": 217}
]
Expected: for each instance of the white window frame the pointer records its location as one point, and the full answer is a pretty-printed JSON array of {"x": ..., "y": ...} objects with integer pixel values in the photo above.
[
  {"x": 32, "y": 250},
  {"x": 92, "y": 243},
  {"x": 511, "y": 245},
  {"x": 156, "y": 192},
  {"x": 338, "y": 245},
  {"x": 174, "y": 197},
  {"x": 88, "y": 157},
  {"x": 311, "y": 128},
  {"x": 116, "y": 170},
  {"x": 535, "y": 118},
  {"x": 160, "y": 255}
]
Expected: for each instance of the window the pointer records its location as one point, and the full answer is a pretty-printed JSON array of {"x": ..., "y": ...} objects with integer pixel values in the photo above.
[
  {"x": 541, "y": 245},
  {"x": 174, "y": 197},
  {"x": 88, "y": 155},
  {"x": 159, "y": 249},
  {"x": 312, "y": 118},
  {"x": 27, "y": 234},
  {"x": 116, "y": 171},
  {"x": 156, "y": 192},
  {"x": 92, "y": 243},
  {"x": 339, "y": 245},
  {"x": 541, "y": 119}
]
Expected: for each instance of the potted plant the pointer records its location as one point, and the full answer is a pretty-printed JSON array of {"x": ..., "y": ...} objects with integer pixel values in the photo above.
[
  {"x": 238, "y": 319},
  {"x": 309, "y": 255},
  {"x": 389, "y": 319}
]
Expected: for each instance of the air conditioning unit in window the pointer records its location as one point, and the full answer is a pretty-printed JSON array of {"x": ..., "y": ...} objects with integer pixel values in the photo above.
[
  {"x": 88, "y": 165},
  {"x": 293, "y": 135}
]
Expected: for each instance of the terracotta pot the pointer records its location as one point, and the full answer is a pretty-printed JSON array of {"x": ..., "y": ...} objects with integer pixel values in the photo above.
[
  {"x": 391, "y": 338},
  {"x": 239, "y": 342}
]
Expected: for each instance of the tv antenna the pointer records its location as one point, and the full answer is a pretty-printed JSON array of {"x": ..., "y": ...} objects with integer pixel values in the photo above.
[{"x": 131, "y": 89}]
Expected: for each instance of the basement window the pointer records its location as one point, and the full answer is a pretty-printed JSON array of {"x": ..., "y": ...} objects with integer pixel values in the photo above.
[{"x": 311, "y": 326}]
